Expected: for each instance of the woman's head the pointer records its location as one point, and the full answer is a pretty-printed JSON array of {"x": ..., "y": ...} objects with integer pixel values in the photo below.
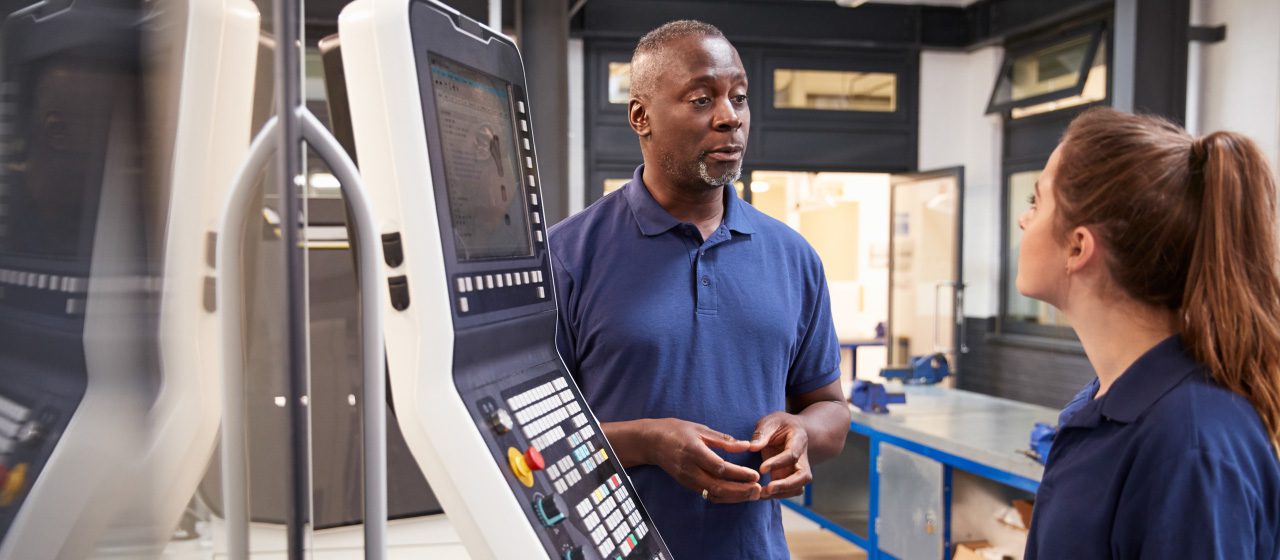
[{"x": 1181, "y": 224}]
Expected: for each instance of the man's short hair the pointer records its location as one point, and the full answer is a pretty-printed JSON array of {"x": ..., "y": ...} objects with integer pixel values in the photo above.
[{"x": 653, "y": 47}]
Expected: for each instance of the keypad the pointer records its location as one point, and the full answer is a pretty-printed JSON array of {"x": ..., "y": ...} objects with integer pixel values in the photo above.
[
  {"x": 527, "y": 283},
  {"x": 548, "y": 414},
  {"x": 13, "y": 418}
]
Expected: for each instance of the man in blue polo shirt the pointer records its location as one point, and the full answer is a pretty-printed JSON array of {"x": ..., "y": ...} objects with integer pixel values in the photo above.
[{"x": 698, "y": 328}]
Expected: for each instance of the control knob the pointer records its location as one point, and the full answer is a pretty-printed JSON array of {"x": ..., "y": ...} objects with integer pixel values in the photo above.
[
  {"x": 548, "y": 510},
  {"x": 500, "y": 421},
  {"x": 574, "y": 553}
]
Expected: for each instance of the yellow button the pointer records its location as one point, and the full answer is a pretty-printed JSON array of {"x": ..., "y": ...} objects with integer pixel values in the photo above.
[
  {"x": 13, "y": 485},
  {"x": 520, "y": 467}
]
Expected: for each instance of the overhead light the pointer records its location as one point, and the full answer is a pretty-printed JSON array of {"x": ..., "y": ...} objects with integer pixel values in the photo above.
[
  {"x": 850, "y": 3},
  {"x": 759, "y": 186},
  {"x": 324, "y": 181}
]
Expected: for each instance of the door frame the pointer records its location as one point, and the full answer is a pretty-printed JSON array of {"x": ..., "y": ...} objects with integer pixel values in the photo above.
[{"x": 958, "y": 330}]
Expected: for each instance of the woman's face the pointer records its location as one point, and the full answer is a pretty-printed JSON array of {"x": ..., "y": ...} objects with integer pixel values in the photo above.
[{"x": 1042, "y": 260}]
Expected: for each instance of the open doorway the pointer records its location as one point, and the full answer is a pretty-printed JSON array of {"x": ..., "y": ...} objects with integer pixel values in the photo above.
[{"x": 883, "y": 239}]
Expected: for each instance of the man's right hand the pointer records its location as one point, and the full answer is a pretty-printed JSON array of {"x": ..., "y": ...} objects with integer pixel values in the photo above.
[{"x": 683, "y": 450}]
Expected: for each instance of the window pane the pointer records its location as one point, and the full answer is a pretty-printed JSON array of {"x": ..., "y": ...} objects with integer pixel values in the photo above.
[
  {"x": 619, "y": 82},
  {"x": 611, "y": 185},
  {"x": 1095, "y": 89},
  {"x": 1017, "y": 306},
  {"x": 832, "y": 90}
]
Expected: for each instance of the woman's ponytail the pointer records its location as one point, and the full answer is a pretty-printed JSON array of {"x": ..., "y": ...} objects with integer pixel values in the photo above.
[{"x": 1231, "y": 303}]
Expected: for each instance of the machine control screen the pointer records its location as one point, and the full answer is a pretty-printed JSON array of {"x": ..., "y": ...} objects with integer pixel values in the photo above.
[{"x": 481, "y": 166}]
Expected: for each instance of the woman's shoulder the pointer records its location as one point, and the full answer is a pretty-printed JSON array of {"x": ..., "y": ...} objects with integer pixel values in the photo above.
[{"x": 1203, "y": 417}]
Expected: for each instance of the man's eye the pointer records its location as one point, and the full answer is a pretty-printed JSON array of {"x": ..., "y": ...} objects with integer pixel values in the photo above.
[
  {"x": 702, "y": 101},
  {"x": 740, "y": 99}
]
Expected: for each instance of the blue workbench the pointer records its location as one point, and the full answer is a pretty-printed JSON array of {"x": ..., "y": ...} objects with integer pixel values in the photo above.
[{"x": 943, "y": 428}]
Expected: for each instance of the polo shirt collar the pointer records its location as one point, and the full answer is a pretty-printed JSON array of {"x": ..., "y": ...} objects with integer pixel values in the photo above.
[
  {"x": 1158, "y": 371},
  {"x": 655, "y": 220},
  {"x": 1152, "y": 375}
]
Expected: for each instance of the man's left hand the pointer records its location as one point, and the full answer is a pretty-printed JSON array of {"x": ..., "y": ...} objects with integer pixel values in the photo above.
[{"x": 783, "y": 443}]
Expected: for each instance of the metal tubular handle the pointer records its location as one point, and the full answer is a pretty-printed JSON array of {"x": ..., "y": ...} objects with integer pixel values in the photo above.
[
  {"x": 375, "y": 381},
  {"x": 235, "y": 485},
  {"x": 937, "y": 317}
]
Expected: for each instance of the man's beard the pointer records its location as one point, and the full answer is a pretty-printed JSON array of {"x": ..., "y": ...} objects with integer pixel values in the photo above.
[
  {"x": 699, "y": 172},
  {"x": 725, "y": 179}
]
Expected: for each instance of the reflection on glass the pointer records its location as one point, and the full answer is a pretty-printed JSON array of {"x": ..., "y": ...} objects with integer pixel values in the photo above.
[
  {"x": 832, "y": 90},
  {"x": 1017, "y": 306},
  {"x": 619, "y": 82},
  {"x": 1050, "y": 69},
  {"x": 1095, "y": 89}
]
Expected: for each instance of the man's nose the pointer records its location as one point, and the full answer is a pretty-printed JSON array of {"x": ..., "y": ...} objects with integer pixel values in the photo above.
[{"x": 726, "y": 117}]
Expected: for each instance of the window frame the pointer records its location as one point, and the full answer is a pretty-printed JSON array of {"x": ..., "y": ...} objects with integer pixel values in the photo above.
[
  {"x": 1097, "y": 33},
  {"x": 864, "y": 62}
]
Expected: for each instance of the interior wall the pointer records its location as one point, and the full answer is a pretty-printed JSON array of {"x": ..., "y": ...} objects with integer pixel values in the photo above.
[
  {"x": 954, "y": 131},
  {"x": 1239, "y": 85}
]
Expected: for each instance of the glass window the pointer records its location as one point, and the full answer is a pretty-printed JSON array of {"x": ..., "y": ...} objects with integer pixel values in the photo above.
[
  {"x": 611, "y": 185},
  {"x": 1071, "y": 71},
  {"x": 1095, "y": 89},
  {"x": 619, "y": 82},
  {"x": 1019, "y": 308},
  {"x": 833, "y": 90}
]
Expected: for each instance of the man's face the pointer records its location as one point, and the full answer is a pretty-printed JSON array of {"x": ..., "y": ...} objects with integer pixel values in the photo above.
[{"x": 697, "y": 113}]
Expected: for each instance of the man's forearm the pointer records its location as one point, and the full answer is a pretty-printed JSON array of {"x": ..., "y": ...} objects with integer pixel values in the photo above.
[
  {"x": 827, "y": 424},
  {"x": 629, "y": 441}
]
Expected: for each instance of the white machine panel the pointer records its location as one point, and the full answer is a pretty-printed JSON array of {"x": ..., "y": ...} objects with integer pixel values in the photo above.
[
  {"x": 445, "y": 144},
  {"x": 131, "y": 124}
]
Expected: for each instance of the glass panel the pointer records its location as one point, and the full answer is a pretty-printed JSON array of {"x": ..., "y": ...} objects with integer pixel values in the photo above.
[
  {"x": 833, "y": 90},
  {"x": 1095, "y": 89},
  {"x": 611, "y": 185},
  {"x": 845, "y": 217},
  {"x": 923, "y": 275},
  {"x": 619, "y": 82},
  {"x": 1017, "y": 306},
  {"x": 1051, "y": 73}
]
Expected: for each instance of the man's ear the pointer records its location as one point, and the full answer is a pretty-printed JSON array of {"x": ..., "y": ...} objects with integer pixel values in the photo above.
[
  {"x": 638, "y": 117},
  {"x": 1082, "y": 249}
]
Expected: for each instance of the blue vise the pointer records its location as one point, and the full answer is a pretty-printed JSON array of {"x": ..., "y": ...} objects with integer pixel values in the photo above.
[{"x": 872, "y": 397}]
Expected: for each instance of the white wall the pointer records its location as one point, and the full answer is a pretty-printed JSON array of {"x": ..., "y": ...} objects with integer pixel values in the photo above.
[
  {"x": 954, "y": 88},
  {"x": 1239, "y": 85}
]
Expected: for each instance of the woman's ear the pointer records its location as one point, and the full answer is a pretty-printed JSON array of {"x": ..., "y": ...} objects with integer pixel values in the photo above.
[{"x": 1082, "y": 249}]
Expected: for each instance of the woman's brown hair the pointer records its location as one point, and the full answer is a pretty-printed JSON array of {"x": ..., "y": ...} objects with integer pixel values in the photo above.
[{"x": 1189, "y": 225}]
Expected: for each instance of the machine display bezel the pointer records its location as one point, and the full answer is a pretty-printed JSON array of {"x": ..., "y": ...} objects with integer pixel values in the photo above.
[{"x": 501, "y": 61}]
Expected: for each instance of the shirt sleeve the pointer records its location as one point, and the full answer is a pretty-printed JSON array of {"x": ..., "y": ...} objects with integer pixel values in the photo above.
[
  {"x": 1189, "y": 505},
  {"x": 566, "y": 334},
  {"x": 817, "y": 361}
]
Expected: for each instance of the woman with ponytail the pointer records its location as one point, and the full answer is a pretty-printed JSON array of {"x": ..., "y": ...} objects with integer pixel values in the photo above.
[{"x": 1160, "y": 249}]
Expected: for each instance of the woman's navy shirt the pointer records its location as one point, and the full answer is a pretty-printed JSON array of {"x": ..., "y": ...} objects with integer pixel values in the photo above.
[{"x": 1167, "y": 464}]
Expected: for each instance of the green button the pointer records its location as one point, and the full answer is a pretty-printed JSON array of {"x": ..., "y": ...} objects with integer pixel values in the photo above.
[{"x": 632, "y": 538}]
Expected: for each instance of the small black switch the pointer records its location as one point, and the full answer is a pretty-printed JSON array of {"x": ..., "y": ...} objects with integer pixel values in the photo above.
[
  {"x": 210, "y": 294},
  {"x": 392, "y": 249},
  {"x": 399, "y": 286}
]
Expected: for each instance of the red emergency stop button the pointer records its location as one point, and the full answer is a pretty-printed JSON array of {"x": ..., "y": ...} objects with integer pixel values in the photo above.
[{"x": 533, "y": 458}]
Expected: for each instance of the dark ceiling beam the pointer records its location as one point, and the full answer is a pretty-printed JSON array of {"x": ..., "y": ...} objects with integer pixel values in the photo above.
[{"x": 816, "y": 23}]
